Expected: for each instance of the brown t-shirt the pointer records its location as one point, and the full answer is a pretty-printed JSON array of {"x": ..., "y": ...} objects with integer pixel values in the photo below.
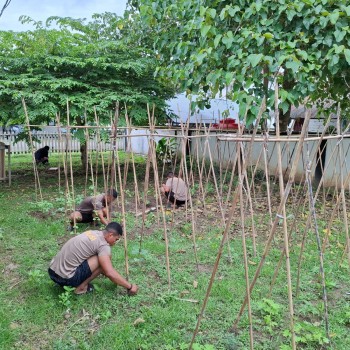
[
  {"x": 179, "y": 188},
  {"x": 89, "y": 204},
  {"x": 77, "y": 250}
]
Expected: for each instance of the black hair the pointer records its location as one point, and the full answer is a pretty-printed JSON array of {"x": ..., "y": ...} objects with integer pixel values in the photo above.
[
  {"x": 170, "y": 174},
  {"x": 115, "y": 228},
  {"x": 112, "y": 192},
  {"x": 47, "y": 147}
]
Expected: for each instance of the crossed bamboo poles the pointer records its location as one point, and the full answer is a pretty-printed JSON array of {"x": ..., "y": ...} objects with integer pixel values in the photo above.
[{"x": 243, "y": 195}]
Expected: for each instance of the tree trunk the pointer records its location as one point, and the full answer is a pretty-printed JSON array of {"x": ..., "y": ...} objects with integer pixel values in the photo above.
[
  {"x": 84, "y": 156},
  {"x": 284, "y": 121},
  {"x": 285, "y": 117},
  {"x": 83, "y": 146}
]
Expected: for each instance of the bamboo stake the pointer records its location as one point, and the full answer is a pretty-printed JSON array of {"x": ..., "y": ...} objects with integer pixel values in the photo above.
[
  {"x": 285, "y": 228},
  {"x": 216, "y": 264},
  {"x": 265, "y": 150},
  {"x": 275, "y": 223},
  {"x": 223, "y": 240},
  {"x": 65, "y": 170},
  {"x": 193, "y": 221},
  {"x": 137, "y": 195},
  {"x": 324, "y": 291},
  {"x": 105, "y": 183},
  {"x": 157, "y": 187},
  {"x": 122, "y": 198},
  {"x": 70, "y": 158},
  {"x": 36, "y": 173},
  {"x": 145, "y": 190},
  {"x": 245, "y": 258},
  {"x": 342, "y": 190}
]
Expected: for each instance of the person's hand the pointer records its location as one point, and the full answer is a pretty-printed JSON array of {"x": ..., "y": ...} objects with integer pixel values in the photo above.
[{"x": 134, "y": 289}]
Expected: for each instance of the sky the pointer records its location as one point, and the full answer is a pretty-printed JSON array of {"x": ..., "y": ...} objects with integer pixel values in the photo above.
[{"x": 40, "y": 10}]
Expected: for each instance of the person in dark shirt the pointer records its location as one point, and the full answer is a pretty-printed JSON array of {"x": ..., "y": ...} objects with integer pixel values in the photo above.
[{"x": 42, "y": 155}]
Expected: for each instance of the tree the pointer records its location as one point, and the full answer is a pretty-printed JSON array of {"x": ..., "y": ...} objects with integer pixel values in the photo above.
[
  {"x": 87, "y": 65},
  {"x": 207, "y": 46}
]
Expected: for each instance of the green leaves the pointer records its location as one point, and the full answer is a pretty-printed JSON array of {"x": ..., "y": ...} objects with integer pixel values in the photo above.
[
  {"x": 254, "y": 59},
  {"x": 339, "y": 35},
  {"x": 244, "y": 46},
  {"x": 82, "y": 63},
  {"x": 347, "y": 55},
  {"x": 333, "y": 17},
  {"x": 293, "y": 65},
  {"x": 204, "y": 30}
]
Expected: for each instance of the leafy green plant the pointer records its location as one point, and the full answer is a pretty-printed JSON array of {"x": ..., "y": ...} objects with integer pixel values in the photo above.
[
  {"x": 43, "y": 206},
  {"x": 271, "y": 312},
  {"x": 65, "y": 297},
  {"x": 166, "y": 149},
  {"x": 209, "y": 188},
  {"x": 36, "y": 277},
  {"x": 308, "y": 333}
]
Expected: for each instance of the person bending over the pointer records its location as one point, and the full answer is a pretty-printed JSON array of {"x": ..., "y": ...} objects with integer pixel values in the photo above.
[
  {"x": 87, "y": 255},
  {"x": 42, "y": 155},
  {"x": 94, "y": 207},
  {"x": 175, "y": 190}
]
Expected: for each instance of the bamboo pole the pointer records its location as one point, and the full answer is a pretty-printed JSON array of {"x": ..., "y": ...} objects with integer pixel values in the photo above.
[
  {"x": 36, "y": 173},
  {"x": 218, "y": 257},
  {"x": 193, "y": 221},
  {"x": 342, "y": 190},
  {"x": 285, "y": 228},
  {"x": 244, "y": 246},
  {"x": 70, "y": 160},
  {"x": 157, "y": 187},
  {"x": 118, "y": 173},
  {"x": 318, "y": 240},
  {"x": 278, "y": 215}
]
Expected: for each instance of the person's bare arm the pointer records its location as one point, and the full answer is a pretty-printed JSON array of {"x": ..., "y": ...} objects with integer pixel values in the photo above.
[
  {"x": 165, "y": 188},
  {"x": 109, "y": 271},
  {"x": 100, "y": 215}
]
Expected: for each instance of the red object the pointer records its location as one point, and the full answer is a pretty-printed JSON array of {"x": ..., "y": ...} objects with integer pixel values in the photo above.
[{"x": 228, "y": 123}]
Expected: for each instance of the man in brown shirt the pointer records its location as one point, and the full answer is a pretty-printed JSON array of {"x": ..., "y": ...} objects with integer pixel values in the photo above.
[
  {"x": 175, "y": 190},
  {"x": 93, "y": 207},
  {"x": 85, "y": 256}
]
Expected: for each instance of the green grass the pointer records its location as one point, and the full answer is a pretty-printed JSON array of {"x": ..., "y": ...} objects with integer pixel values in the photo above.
[{"x": 36, "y": 314}]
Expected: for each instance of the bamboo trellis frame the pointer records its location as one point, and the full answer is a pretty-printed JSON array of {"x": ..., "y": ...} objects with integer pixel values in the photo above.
[{"x": 239, "y": 147}]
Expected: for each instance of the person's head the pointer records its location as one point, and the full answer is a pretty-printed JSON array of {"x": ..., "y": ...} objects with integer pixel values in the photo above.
[
  {"x": 113, "y": 232},
  {"x": 47, "y": 148},
  {"x": 111, "y": 195},
  {"x": 170, "y": 175}
]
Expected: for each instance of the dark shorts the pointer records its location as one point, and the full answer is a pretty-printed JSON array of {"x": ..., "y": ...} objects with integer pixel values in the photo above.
[
  {"x": 82, "y": 273},
  {"x": 172, "y": 199},
  {"x": 86, "y": 217}
]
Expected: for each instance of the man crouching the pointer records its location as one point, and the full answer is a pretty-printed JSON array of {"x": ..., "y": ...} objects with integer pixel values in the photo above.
[{"x": 85, "y": 256}]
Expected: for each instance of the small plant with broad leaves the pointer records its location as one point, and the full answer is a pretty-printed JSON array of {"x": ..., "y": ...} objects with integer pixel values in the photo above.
[
  {"x": 43, "y": 206},
  {"x": 36, "y": 277},
  {"x": 271, "y": 313},
  {"x": 65, "y": 297},
  {"x": 166, "y": 149},
  {"x": 312, "y": 334}
]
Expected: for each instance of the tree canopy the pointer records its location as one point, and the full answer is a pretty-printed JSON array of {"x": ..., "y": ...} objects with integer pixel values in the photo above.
[
  {"x": 207, "y": 46},
  {"x": 87, "y": 65}
]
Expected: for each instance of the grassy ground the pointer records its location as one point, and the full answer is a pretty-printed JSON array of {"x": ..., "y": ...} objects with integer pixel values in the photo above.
[{"x": 36, "y": 314}]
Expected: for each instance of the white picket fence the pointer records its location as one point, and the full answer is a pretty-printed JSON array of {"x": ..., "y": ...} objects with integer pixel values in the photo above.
[
  {"x": 57, "y": 143},
  {"x": 136, "y": 141}
]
